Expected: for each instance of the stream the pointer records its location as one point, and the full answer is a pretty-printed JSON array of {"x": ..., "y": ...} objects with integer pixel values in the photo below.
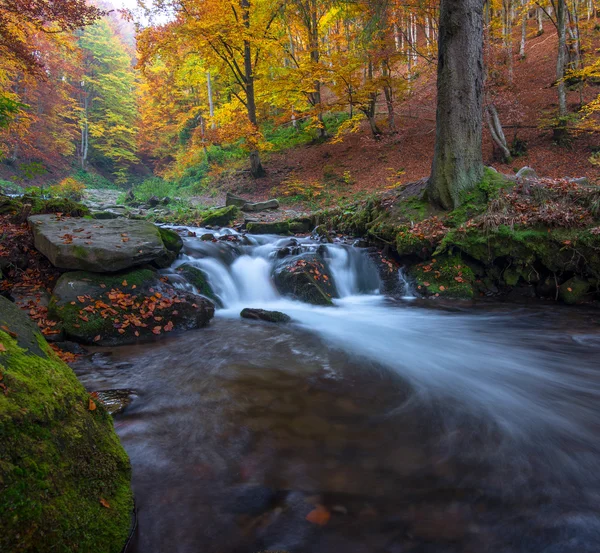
[{"x": 394, "y": 424}]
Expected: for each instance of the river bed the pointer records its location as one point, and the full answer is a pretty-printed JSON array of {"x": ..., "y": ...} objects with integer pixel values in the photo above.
[{"x": 378, "y": 425}]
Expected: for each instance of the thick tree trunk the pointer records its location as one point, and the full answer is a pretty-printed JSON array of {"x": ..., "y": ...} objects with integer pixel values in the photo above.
[{"x": 457, "y": 162}]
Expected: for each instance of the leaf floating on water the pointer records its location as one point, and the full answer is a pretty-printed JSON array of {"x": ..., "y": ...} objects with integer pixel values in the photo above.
[
  {"x": 319, "y": 515},
  {"x": 92, "y": 405},
  {"x": 104, "y": 503}
]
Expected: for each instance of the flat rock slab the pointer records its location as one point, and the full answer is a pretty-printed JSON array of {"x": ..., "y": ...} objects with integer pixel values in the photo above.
[{"x": 97, "y": 246}]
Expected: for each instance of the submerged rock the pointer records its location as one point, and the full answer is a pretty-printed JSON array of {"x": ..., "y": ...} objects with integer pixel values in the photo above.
[
  {"x": 65, "y": 477},
  {"x": 264, "y": 315},
  {"x": 306, "y": 278},
  {"x": 86, "y": 244},
  {"x": 124, "y": 308}
]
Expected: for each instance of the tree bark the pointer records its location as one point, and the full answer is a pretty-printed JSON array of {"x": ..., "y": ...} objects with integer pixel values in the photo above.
[
  {"x": 457, "y": 162},
  {"x": 256, "y": 168}
]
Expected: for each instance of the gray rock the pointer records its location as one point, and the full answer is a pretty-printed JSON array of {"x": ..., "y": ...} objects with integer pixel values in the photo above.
[
  {"x": 263, "y": 315},
  {"x": 261, "y": 206},
  {"x": 101, "y": 247},
  {"x": 526, "y": 173},
  {"x": 232, "y": 199}
]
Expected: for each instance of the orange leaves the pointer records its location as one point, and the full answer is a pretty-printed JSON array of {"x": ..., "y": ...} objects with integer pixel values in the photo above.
[
  {"x": 320, "y": 515},
  {"x": 2, "y": 347},
  {"x": 157, "y": 330},
  {"x": 97, "y": 338},
  {"x": 169, "y": 326},
  {"x": 92, "y": 405},
  {"x": 104, "y": 503},
  {"x": 8, "y": 331}
]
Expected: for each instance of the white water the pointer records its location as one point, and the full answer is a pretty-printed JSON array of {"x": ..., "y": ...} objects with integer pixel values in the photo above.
[{"x": 497, "y": 371}]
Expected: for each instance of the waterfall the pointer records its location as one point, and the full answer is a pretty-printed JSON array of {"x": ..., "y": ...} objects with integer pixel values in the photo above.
[{"x": 240, "y": 270}]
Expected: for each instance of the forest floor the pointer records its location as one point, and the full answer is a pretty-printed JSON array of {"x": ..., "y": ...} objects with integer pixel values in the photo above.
[{"x": 321, "y": 175}]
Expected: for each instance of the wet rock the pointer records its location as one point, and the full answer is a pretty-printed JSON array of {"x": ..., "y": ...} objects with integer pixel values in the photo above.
[
  {"x": 232, "y": 199},
  {"x": 166, "y": 200},
  {"x": 71, "y": 347},
  {"x": 251, "y": 499},
  {"x": 124, "y": 308},
  {"x": 281, "y": 227},
  {"x": 85, "y": 244},
  {"x": 55, "y": 445},
  {"x": 115, "y": 401},
  {"x": 388, "y": 271},
  {"x": 173, "y": 244},
  {"x": 104, "y": 215},
  {"x": 575, "y": 290},
  {"x": 208, "y": 237},
  {"x": 301, "y": 225},
  {"x": 306, "y": 278},
  {"x": 261, "y": 206},
  {"x": 321, "y": 233},
  {"x": 199, "y": 280},
  {"x": 439, "y": 523},
  {"x": 153, "y": 201},
  {"x": 263, "y": 315}
]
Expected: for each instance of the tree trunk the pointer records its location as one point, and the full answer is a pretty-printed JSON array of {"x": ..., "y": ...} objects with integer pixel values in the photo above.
[
  {"x": 211, "y": 104},
  {"x": 523, "y": 29},
  {"x": 497, "y": 133},
  {"x": 457, "y": 162},
  {"x": 256, "y": 168}
]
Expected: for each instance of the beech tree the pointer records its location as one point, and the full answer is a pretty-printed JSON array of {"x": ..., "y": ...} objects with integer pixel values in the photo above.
[{"x": 457, "y": 162}]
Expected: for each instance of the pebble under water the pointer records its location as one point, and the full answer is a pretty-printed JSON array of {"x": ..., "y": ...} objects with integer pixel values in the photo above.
[{"x": 379, "y": 425}]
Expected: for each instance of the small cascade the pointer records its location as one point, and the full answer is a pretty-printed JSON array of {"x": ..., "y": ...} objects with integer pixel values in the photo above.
[
  {"x": 239, "y": 268},
  {"x": 408, "y": 292}
]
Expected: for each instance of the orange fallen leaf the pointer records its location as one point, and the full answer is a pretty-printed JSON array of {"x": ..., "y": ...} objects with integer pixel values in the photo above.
[
  {"x": 442, "y": 288},
  {"x": 319, "y": 515},
  {"x": 104, "y": 503},
  {"x": 156, "y": 330},
  {"x": 124, "y": 283},
  {"x": 2, "y": 347},
  {"x": 97, "y": 338},
  {"x": 92, "y": 405},
  {"x": 426, "y": 284}
]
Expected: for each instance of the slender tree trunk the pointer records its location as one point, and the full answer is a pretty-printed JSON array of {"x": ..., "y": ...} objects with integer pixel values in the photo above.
[
  {"x": 457, "y": 162},
  {"x": 388, "y": 92},
  {"x": 561, "y": 22},
  {"x": 523, "y": 29},
  {"x": 540, "y": 19},
  {"x": 497, "y": 133},
  {"x": 211, "y": 104},
  {"x": 256, "y": 168}
]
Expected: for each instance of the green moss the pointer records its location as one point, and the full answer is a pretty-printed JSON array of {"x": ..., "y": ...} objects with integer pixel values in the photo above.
[
  {"x": 171, "y": 240},
  {"x": 58, "y": 459},
  {"x": 575, "y": 290},
  {"x": 80, "y": 252},
  {"x": 198, "y": 279},
  {"x": 220, "y": 217},
  {"x": 444, "y": 276}
]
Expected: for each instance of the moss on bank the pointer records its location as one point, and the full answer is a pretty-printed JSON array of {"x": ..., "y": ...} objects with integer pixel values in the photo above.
[
  {"x": 64, "y": 477},
  {"x": 508, "y": 234}
]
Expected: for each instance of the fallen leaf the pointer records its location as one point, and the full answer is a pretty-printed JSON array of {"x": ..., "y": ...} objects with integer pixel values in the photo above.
[
  {"x": 156, "y": 330},
  {"x": 104, "y": 503},
  {"x": 319, "y": 515},
  {"x": 124, "y": 283},
  {"x": 2, "y": 347},
  {"x": 97, "y": 338},
  {"x": 92, "y": 405}
]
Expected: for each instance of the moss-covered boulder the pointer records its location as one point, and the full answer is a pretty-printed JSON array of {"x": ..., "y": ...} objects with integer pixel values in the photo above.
[
  {"x": 98, "y": 246},
  {"x": 64, "y": 477},
  {"x": 198, "y": 279},
  {"x": 220, "y": 217},
  {"x": 124, "y": 308},
  {"x": 443, "y": 276},
  {"x": 278, "y": 227},
  {"x": 575, "y": 290},
  {"x": 306, "y": 278},
  {"x": 173, "y": 244}
]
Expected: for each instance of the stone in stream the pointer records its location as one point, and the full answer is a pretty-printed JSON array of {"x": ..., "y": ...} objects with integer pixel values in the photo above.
[
  {"x": 62, "y": 468},
  {"x": 98, "y": 246},
  {"x": 245, "y": 205},
  {"x": 306, "y": 278},
  {"x": 173, "y": 244},
  {"x": 264, "y": 315},
  {"x": 124, "y": 308},
  {"x": 114, "y": 401},
  {"x": 198, "y": 279}
]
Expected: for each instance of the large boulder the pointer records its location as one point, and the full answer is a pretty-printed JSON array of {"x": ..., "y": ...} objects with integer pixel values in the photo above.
[
  {"x": 305, "y": 277},
  {"x": 98, "y": 246},
  {"x": 124, "y": 308},
  {"x": 64, "y": 477}
]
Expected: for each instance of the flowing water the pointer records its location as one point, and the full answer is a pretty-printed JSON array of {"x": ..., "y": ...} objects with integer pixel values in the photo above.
[{"x": 419, "y": 427}]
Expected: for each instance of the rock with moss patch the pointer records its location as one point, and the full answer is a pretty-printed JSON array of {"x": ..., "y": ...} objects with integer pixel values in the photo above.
[
  {"x": 444, "y": 276},
  {"x": 277, "y": 227},
  {"x": 101, "y": 247},
  {"x": 65, "y": 479},
  {"x": 124, "y": 308},
  {"x": 173, "y": 244},
  {"x": 220, "y": 217},
  {"x": 575, "y": 290},
  {"x": 306, "y": 278},
  {"x": 199, "y": 280},
  {"x": 264, "y": 315}
]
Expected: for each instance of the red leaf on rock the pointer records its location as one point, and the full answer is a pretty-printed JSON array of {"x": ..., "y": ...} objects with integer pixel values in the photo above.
[{"x": 319, "y": 515}]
